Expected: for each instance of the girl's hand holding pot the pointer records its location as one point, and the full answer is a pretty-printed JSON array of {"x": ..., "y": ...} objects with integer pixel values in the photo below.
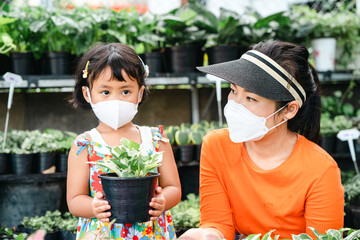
[
  {"x": 158, "y": 204},
  {"x": 100, "y": 207}
]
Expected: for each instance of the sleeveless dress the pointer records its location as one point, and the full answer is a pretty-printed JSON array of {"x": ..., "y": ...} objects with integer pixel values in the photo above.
[{"x": 162, "y": 228}]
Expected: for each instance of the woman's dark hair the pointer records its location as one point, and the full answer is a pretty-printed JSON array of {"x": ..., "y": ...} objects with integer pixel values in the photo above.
[
  {"x": 294, "y": 59},
  {"x": 116, "y": 55}
]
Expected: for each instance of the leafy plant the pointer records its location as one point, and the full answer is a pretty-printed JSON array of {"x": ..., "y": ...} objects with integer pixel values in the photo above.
[
  {"x": 6, "y": 42},
  {"x": 68, "y": 223},
  {"x": 182, "y": 136},
  {"x": 129, "y": 161},
  {"x": 187, "y": 213},
  {"x": 196, "y": 137},
  {"x": 49, "y": 222},
  {"x": 352, "y": 190},
  {"x": 6, "y": 233},
  {"x": 330, "y": 234}
]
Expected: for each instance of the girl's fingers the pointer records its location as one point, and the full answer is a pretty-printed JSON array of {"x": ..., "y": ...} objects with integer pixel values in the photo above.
[
  {"x": 156, "y": 205},
  {"x": 155, "y": 213},
  {"x": 103, "y": 208}
]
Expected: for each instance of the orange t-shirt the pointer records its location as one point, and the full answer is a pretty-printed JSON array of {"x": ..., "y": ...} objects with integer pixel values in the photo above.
[{"x": 236, "y": 195}]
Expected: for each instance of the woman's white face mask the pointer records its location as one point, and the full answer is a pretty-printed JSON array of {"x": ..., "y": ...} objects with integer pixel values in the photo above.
[
  {"x": 244, "y": 125},
  {"x": 114, "y": 113}
]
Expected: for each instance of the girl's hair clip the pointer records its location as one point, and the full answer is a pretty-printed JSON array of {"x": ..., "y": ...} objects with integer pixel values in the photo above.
[
  {"x": 146, "y": 68},
  {"x": 85, "y": 71}
]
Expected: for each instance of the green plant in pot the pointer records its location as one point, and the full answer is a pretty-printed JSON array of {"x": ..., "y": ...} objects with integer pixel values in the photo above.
[
  {"x": 68, "y": 226},
  {"x": 186, "y": 214},
  {"x": 352, "y": 199},
  {"x": 183, "y": 140},
  {"x": 131, "y": 184},
  {"x": 48, "y": 222},
  {"x": 196, "y": 137}
]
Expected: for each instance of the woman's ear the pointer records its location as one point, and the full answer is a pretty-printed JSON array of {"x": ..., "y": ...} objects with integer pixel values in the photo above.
[
  {"x": 291, "y": 110},
  {"x": 85, "y": 93}
]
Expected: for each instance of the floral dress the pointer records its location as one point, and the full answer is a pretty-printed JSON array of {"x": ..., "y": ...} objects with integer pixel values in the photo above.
[{"x": 162, "y": 228}]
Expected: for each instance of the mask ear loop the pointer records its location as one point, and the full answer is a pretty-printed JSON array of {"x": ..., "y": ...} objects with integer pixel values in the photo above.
[
  {"x": 285, "y": 119},
  {"x": 88, "y": 92}
]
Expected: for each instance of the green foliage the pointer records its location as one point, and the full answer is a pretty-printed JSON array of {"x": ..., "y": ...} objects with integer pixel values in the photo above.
[
  {"x": 196, "y": 137},
  {"x": 352, "y": 190},
  {"x": 68, "y": 223},
  {"x": 6, "y": 41},
  {"x": 330, "y": 234},
  {"x": 182, "y": 137},
  {"x": 49, "y": 222},
  {"x": 187, "y": 213},
  {"x": 6, "y": 233},
  {"x": 129, "y": 161}
]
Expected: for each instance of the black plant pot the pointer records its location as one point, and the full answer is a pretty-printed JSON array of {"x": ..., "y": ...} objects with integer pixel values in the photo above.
[
  {"x": 167, "y": 60},
  {"x": 61, "y": 162},
  {"x": 129, "y": 198},
  {"x": 183, "y": 58},
  {"x": 59, "y": 63},
  {"x": 22, "y": 63},
  {"x": 342, "y": 146},
  {"x": 44, "y": 161},
  {"x": 186, "y": 153},
  {"x": 197, "y": 152},
  {"x": 21, "y": 163},
  {"x": 41, "y": 65},
  {"x": 222, "y": 53},
  {"x": 4, "y": 163},
  {"x": 154, "y": 61},
  {"x": 5, "y": 64},
  {"x": 328, "y": 143},
  {"x": 355, "y": 215},
  {"x": 65, "y": 235}
]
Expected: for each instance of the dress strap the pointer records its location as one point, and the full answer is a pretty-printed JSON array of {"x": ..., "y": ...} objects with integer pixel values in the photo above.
[
  {"x": 157, "y": 136},
  {"x": 83, "y": 141}
]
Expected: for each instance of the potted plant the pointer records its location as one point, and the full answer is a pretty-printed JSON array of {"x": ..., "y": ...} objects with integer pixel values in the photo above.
[
  {"x": 196, "y": 136},
  {"x": 185, "y": 148},
  {"x": 68, "y": 226},
  {"x": 7, "y": 233},
  {"x": 22, "y": 150},
  {"x": 4, "y": 155},
  {"x": 183, "y": 38},
  {"x": 131, "y": 184},
  {"x": 48, "y": 222},
  {"x": 64, "y": 143},
  {"x": 6, "y": 44},
  {"x": 352, "y": 199},
  {"x": 186, "y": 214}
]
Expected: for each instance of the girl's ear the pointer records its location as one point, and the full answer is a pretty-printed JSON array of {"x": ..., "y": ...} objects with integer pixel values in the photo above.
[
  {"x": 291, "y": 110},
  {"x": 142, "y": 89},
  {"x": 85, "y": 93}
]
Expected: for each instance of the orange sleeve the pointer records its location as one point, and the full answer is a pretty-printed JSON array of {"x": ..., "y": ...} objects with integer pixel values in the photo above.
[
  {"x": 324, "y": 207},
  {"x": 215, "y": 210}
]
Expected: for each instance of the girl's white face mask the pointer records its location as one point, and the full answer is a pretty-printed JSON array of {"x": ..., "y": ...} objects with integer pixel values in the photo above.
[
  {"x": 114, "y": 113},
  {"x": 244, "y": 125}
]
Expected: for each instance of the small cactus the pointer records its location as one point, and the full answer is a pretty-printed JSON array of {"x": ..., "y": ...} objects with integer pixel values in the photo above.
[
  {"x": 182, "y": 137},
  {"x": 197, "y": 137}
]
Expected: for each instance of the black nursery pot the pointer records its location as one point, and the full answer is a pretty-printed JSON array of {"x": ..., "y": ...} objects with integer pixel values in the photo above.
[
  {"x": 59, "y": 63},
  {"x": 154, "y": 61},
  {"x": 222, "y": 53},
  {"x": 183, "y": 58},
  {"x": 61, "y": 162},
  {"x": 44, "y": 161},
  {"x": 328, "y": 143},
  {"x": 21, "y": 163},
  {"x": 129, "y": 198},
  {"x": 22, "y": 63},
  {"x": 65, "y": 235},
  {"x": 4, "y": 163},
  {"x": 186, "y": 153}
]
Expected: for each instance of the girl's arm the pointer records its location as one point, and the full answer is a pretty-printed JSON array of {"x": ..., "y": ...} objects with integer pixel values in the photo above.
[
  {"x": 169, "y": 193},
  {"x": 79, "y": 202}
]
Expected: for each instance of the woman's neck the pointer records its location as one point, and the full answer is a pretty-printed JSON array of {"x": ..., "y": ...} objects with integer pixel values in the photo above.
[{"x": 272, "y": 150}]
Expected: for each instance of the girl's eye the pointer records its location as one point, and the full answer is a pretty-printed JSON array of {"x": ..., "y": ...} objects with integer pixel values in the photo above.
[
  {"x": 125, "y": 92},
  {"x": 105, "y": 93}
]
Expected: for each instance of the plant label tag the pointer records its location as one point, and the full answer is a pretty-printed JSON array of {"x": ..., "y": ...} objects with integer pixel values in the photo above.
[
  {"x": 348, "y": 134},
  {"x": 12, "y": 78}
]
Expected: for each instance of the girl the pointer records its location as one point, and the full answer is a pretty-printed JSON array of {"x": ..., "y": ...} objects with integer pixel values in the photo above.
[
  {"x": 110, "y": 79},
  {"x": 266, "y": 172}
]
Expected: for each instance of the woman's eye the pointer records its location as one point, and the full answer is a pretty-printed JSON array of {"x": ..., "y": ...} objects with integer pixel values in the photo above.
[
  {"x": 105, "y": 93},
  {"x": 250, "y": 99},
  {"x": 125, "y": 92},
  {"x": 232, "y": 90}
]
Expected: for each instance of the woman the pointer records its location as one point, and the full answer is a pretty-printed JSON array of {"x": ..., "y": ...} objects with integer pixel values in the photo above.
[{"x": 266, "y": 171}]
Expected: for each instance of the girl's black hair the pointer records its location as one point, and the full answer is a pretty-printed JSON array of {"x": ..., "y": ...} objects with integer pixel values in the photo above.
[
  {"x": 116, "y": 55},
  {"x": 294, "y": 59}
]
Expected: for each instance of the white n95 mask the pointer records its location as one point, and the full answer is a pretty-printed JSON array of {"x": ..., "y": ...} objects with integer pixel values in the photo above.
[
  {"x": 244, "y": 125},
  {"x": 114, "y": 113}
]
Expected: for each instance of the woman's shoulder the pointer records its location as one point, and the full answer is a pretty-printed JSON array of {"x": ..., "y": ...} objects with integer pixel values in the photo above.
[
  {"x": 221, "y": 135},
  {"x": 314, "y": 155}
]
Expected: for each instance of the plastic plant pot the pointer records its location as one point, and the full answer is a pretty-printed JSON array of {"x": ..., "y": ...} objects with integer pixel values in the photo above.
[
  {"x": 21, "y": 163},
  {"x": 129, "y": 198},
  {"x": 45, "y": 161},
  {"x": 222, "y": 53},
  {"x": 4, "y": 163}
]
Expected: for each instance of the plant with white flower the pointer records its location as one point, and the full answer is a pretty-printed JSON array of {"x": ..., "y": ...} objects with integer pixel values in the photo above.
[{"x": 129, "y": 161}]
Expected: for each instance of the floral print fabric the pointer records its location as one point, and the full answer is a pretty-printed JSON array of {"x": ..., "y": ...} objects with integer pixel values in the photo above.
[{"x": 163, "y": 228}]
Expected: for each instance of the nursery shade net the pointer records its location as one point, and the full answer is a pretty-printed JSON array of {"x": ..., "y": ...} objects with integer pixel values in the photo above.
[{"x": 261, "y": 75}]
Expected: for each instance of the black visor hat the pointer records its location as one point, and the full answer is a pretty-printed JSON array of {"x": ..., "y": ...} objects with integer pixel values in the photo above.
[{"x": 258, "y": 73}]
